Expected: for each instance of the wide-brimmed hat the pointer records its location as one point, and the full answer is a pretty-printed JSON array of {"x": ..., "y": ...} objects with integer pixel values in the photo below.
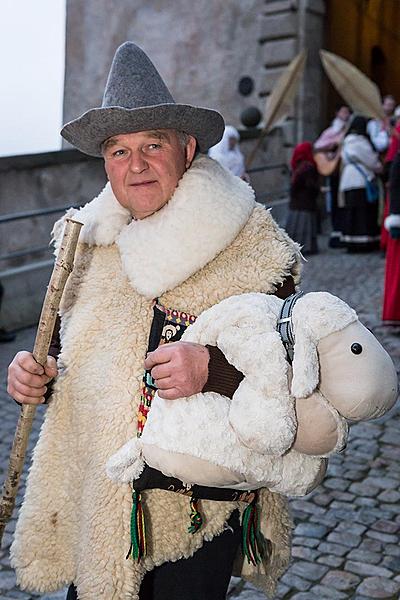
[{"x": 137, "y": 99}]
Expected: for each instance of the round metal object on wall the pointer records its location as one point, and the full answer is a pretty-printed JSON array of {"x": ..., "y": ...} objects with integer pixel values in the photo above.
[
  {"x": 246, "y": 86},
  {"x": 250, "y": 116}
]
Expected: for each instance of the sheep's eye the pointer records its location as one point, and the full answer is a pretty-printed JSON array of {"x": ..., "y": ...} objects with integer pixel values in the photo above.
[{"x": 356, "y": 348}]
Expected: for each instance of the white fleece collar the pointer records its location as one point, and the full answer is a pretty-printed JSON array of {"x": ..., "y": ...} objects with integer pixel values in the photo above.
[{"x": 207, "y": 211}]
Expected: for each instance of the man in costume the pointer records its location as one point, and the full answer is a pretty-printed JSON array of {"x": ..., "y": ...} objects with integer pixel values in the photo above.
[{"x": 171, "y": 234}]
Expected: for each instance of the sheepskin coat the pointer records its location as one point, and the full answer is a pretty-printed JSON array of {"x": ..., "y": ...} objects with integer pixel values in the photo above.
[{"x": 209, "y": 242}]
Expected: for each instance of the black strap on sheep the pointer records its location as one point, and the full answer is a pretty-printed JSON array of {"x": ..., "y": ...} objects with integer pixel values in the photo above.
[{"x": 284, "y": 324}]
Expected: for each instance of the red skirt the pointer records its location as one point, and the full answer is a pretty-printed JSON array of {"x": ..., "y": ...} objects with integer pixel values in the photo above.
[{"x": 391, "y": 298}]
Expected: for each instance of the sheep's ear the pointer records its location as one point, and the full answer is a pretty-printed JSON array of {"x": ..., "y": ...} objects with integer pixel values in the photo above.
[{"x": 305, "y": 366}]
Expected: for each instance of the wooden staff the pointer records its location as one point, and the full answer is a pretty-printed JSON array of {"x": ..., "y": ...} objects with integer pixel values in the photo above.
[{"x": 62, "y": 269}]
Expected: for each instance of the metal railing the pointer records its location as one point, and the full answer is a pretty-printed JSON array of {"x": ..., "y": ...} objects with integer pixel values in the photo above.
[
  {"x": 282, "y": 166},
  {"x": 276, "y": 197},
  {"x": 32, "y": 251},
  {"x": 28, "y": 214}
]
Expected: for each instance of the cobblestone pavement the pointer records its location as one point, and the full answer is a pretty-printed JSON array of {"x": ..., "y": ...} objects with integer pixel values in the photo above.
[{"x": 346, "y": 542}]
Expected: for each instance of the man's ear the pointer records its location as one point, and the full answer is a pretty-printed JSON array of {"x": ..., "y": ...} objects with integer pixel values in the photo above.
[{"x": 190, "y": 150}]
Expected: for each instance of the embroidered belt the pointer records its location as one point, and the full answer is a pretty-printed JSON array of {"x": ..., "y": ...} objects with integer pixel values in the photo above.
[
  {"x": 255, "y": 546},
  {"x": 153, "y": 479}
]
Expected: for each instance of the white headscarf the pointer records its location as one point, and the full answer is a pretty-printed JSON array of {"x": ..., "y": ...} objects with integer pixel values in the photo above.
[{"x": 232, "y": 160}]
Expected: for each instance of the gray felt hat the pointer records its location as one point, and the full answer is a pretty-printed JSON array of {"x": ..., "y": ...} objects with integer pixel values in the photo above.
[{"x": 137, "y": 99}]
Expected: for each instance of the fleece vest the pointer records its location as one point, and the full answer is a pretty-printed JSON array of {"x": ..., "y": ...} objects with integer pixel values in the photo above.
[{"x": 74, "y": 522}]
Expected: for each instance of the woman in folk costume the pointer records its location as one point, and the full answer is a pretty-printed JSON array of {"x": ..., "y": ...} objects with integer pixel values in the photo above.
[
  {"x": 329, "y": 143},
  {"x": 301, "y": 223},
  {"x": 228, "y": 153},
  {"x": 391, "y": 299},
  {"x": 360, "y": 164},
  {"x": 171, "y": 235},
  {"x": 390, "y": 155}
]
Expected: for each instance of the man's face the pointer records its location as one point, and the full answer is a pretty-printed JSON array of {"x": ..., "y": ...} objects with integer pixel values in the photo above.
[
  {"x": 343, "y": 113},
  {"x": 144, "y": 168},
  {"x": 388, "y": 106}
]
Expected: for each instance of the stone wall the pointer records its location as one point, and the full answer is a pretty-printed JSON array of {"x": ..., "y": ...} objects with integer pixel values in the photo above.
[
  {"x": 289, "y": 26},
  {"x": 29, "y": 183},
  {"x": 201, "y": 49}
]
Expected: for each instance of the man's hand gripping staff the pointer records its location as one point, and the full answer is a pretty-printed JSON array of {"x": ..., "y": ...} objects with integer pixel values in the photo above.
[{"x": 41, "y": 373}]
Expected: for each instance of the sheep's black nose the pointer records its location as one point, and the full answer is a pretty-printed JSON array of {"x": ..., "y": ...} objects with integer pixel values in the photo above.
[{"x": 356, "y": 348}]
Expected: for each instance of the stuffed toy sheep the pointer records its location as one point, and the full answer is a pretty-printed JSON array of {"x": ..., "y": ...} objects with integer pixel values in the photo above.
[{"x": 283, "y": 420}]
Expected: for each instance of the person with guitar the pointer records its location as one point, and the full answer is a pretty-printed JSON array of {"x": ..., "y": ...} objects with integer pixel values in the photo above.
[{"x": 327, "y": 157}]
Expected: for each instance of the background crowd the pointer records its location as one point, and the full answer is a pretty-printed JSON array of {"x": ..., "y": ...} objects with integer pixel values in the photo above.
[{"x": 356, "y": 163}]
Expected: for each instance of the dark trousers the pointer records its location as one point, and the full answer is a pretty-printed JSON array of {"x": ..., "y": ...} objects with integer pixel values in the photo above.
[{"x": 204, "y": 576}]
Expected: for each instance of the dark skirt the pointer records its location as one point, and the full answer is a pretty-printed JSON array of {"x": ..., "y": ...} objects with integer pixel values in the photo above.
[
  {"x": 301, "y": 226},
  {"x": 335, "y": 211},
  {"x": 360, "y": 223}
]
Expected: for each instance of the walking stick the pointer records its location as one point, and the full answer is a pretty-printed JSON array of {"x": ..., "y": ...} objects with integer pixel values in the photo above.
[{"x": 62, "y": 268}]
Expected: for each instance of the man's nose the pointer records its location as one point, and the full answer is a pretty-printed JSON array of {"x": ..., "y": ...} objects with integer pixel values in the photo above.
[{"x": 138, "y": 162}]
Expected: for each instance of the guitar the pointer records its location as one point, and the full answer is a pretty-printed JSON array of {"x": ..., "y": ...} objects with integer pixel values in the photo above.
[
  {"x": 328, "y": 147},
  {"x": 327, "y": 162}
]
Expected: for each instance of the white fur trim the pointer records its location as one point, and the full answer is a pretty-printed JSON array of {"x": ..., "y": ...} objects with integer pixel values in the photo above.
[
  {"x": 392, "y": 221},
  {"x": 315, "y": 316},
  {"x": 103, "y": 218},
  {"x": 207, "y": 211},
  {"x": 209, "y": 208}
]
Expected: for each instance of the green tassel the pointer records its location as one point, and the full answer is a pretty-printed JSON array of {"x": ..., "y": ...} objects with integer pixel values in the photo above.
[
  {"x": 253, "y": 542},
  {"x": 196, "y": 520},
  {"x": 138, "y": 548}
]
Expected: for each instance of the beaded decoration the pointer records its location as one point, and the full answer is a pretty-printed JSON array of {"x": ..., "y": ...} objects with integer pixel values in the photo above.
[{"x": 175, "y": 323}]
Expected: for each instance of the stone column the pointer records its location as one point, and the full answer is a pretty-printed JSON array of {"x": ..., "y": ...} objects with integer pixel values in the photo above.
[{"x": 288, "y": 27}]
